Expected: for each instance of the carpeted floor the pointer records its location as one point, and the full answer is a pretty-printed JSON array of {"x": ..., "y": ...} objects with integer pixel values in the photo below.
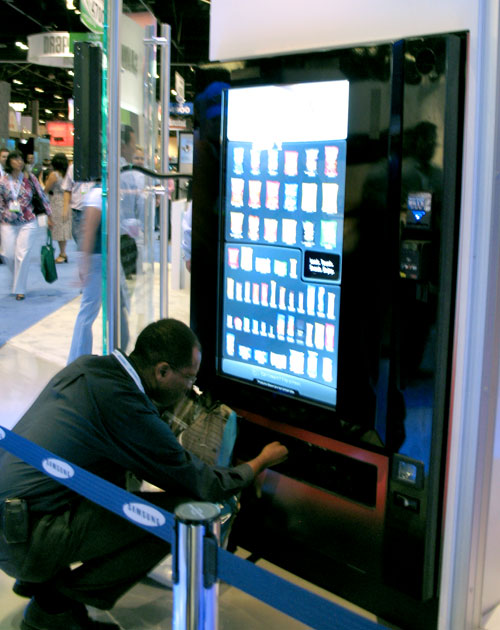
[{"x": 41, "y": 298}]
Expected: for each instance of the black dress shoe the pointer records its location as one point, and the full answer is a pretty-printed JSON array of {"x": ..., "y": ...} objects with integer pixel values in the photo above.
[
  {"x": 24, "y": 589},
  {"x": 35, "y": 618}
]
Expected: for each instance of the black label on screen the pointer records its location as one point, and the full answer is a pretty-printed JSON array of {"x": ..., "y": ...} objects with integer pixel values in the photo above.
[{"x": 322, "y": 266}]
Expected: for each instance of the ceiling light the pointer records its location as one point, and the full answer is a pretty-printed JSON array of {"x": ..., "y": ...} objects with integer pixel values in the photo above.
[
  {"x": 77, "y": 12},
  {"x": 37, "y": 89},
  {"x": 41, "y": 122},
  {"x": 70, "y": 5},
  {"x": 22, "y": 46},
  {"x": 71, "y": 73},
  {"x": 48, "y": 111},
  {"x": 60, "y": 115},
  {"x": 18, "y": 107},
  {"x": 60, "y": 98},
  {"x": 17, "y": 82},
  {"x": 173, "y": 92}
]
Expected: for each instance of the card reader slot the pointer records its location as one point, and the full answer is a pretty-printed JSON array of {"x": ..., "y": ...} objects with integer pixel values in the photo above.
[{"x": 319, "y": 467}]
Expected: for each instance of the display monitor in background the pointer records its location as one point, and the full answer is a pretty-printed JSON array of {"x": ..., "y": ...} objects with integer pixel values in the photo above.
[{"x": 283, "y": 197}]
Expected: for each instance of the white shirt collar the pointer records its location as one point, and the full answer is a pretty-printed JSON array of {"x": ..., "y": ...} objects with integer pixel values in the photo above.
[{"x": 128, "y": 367}]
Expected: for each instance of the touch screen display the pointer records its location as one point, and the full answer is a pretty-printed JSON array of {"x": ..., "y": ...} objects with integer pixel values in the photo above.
[{"x": 283, "y": 201}]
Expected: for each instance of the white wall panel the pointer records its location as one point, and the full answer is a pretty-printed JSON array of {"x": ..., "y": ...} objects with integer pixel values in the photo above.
[{"x": 241, "y": 29}]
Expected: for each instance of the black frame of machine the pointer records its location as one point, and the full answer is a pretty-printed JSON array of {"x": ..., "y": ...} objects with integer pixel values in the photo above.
[{"x": 358, "y": 506}]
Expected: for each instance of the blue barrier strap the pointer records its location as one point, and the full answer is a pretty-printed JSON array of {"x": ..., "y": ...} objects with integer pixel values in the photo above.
[
  {"x": 307, "y": 607},
  {"x": 293, "y": 600},
  {"x": 127, "y": 505}
]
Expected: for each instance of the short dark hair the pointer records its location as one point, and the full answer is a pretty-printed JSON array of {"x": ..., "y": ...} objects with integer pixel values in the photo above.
[
  {"x": 126, "y": 132},
  {"x": 165, "y": 340},
  {"x": 3, "y": 149},
  {"x": 60, "y": 163},
  {"x": 13, "y": 154}
]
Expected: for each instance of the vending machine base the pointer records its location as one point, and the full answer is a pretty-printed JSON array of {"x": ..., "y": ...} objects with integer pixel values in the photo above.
[{"x": 326, "y": 515}]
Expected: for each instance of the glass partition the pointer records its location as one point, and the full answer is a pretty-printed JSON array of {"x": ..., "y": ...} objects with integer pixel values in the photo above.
[{"x": 137, "y": 230}]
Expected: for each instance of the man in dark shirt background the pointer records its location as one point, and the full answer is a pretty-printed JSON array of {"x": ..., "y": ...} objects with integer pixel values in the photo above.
[{"x": 100, "y": 413}]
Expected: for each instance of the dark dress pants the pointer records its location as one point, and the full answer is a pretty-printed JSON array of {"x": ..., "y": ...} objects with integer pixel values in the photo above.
[{"x": 114, "y": 554}]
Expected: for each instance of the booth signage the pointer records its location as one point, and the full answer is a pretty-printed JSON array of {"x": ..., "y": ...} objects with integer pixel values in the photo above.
[
  {"x": 92, "y": 14},
  {"x": 130, "y": 59},
  {"x": 57, "y": 48},
  {"x": 50, "y": 49},
  {"x": 179, "y": 88},
  {"x": 132, "y": 63},
  {"x": 177, "y": 124},
  {"x": 61, "y": 133},
  {"x": 84, "y": 37},
  {"x": 181, "y": 109}
]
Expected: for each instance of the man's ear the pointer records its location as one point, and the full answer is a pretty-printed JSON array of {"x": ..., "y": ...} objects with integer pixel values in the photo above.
[{"x": 161, "y": 370}]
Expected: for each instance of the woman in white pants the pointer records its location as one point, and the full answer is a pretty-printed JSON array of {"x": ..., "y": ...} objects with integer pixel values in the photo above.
[{"x": 18, "y": 222}]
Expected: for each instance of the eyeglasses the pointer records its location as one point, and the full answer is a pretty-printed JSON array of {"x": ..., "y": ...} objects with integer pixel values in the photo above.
[{"x": 189, "y": 379}]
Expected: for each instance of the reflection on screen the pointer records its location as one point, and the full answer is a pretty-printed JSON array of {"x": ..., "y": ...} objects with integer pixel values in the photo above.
[{"x": 283, "y": 233}]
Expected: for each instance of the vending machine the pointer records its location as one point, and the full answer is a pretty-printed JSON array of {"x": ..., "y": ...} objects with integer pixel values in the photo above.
[{"x": 323, "y": 288}]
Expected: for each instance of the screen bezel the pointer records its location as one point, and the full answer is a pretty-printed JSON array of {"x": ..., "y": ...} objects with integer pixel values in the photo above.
[{"x": 271, "y": 390}]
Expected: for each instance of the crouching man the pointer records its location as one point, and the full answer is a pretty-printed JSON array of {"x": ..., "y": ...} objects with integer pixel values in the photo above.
[{"x": 100, "y": 414}]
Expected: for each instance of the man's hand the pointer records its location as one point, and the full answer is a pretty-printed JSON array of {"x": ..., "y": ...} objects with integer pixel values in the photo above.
[
  {"x": 84, "y": 268},
  {"x": 272, "y": 454}
]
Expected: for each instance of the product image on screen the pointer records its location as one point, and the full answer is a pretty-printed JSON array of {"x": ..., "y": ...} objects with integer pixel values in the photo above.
[{"x": 283, "y": 202}]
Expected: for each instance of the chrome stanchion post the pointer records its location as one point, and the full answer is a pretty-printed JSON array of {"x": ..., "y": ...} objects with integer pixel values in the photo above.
[{"x": 195, "y": 567}]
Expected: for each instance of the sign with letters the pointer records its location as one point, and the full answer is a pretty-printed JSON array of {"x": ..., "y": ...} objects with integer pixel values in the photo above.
[
  {"x": 92, "y": 14},
  {"x": 50, "y": 49}
]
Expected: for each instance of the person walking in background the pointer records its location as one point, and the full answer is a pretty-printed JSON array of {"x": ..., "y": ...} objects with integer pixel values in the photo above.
[
  {"x": 4, "y": 152},
  {"x": 138, "y": 157},
  {"x": 74, "y": 200},
  {"x": 131, "y": 186},
  {"x": 90, "y": 270},
  {"x": 61, "y": 217},
  {"x": 18, "y": 222},
  {"x": 187, "y": 228},
  {"x": 45, "y": 171},
  {"x": 90, "y": 263},
  {"x": 30, "y": 162}
]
